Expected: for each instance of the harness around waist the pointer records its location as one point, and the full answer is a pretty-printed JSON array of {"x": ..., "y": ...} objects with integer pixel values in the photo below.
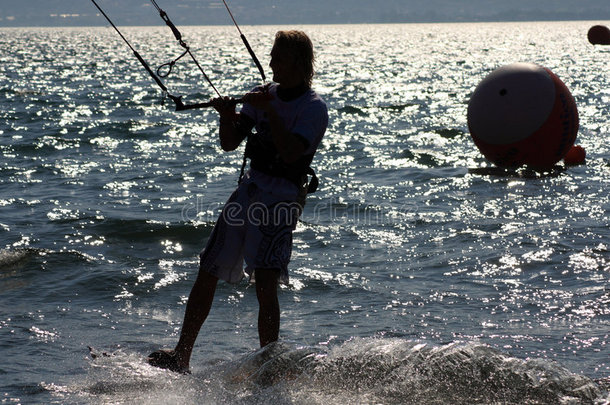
[{"x": 267, "y": 160}]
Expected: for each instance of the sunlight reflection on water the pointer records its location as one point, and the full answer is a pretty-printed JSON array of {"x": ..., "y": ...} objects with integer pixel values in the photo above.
[{"x": 402, "y": 239}]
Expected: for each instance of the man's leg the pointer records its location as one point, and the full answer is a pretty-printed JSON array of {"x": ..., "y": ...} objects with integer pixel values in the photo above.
[
  {"x": 197, "y": 309},
  {"x": 267, "y": 281}
]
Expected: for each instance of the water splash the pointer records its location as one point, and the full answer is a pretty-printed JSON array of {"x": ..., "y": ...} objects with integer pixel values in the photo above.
[{"x": 389, "y": 371}]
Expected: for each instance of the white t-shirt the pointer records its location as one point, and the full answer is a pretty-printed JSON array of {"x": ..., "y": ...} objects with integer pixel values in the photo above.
[{"x": 306, "y": 116}]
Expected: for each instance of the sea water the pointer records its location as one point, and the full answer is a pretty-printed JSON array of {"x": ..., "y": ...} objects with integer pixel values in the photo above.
[{"x": 415, "y": 277}]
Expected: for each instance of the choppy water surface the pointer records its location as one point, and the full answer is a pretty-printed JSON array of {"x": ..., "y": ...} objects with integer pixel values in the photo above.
[{"x": 414, "y": 278}]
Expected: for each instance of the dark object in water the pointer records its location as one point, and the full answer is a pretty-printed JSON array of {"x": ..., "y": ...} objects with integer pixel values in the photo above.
[{"x": 599, "y": 35}]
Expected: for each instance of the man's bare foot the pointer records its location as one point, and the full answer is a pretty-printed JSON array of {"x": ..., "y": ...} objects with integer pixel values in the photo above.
[{"x": 167, "y": 359}]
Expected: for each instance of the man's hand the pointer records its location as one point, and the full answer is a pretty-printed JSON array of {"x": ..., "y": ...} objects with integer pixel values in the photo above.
[
  {"x": 225, "y": 107},
  {"x": 259, "y": 100}
]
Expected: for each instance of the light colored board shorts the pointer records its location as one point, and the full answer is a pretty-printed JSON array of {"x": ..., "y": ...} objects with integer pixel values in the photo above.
[{"x": 255, "y": 227}]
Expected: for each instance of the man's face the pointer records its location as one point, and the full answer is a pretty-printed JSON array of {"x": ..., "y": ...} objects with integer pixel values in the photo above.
[{"x": 283, "y": 65}]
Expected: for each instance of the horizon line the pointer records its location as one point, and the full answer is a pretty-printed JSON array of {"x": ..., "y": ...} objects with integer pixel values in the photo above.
[{"x": 319, "y": 24}]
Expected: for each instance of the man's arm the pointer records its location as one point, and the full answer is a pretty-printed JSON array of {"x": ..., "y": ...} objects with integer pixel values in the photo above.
[
  {"x": 233, "y": 131},
  {"x": 233, "y": 126}
]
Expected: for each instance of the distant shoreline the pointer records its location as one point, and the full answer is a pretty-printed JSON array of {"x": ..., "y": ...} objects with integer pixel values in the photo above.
[{"x": 101, "y": 25}]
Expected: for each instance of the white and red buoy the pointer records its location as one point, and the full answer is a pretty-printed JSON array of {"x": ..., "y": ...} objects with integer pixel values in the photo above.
[{"x": 523, "y": 114}]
